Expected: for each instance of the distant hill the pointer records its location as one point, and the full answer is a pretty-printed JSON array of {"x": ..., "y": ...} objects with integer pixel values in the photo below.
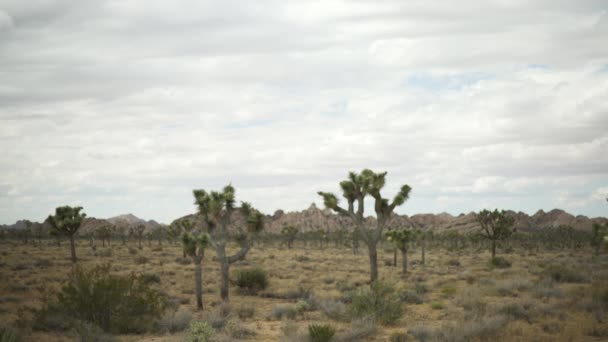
[{"x": 314, "y": 218}]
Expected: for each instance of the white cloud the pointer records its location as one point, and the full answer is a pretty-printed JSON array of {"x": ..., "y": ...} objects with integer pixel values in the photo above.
[{"x": 123, "y": 107}]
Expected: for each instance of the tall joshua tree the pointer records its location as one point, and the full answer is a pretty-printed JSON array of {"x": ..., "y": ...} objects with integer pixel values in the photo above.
[
  {"x": 67, "y": 220},
  {"x": 289, "y": 232},
  {"x": 215, "y": 210},
  {"x": 194, "y": 244},
  {"x": 401, "y": 238},
  {"x": 496, "y": 225},
  {"x": 355, "y": 189}
]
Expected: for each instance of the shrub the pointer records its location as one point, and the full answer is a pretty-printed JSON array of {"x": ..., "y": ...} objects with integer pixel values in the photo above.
[
  {"x": 87, "y": 332},
  {"x": 302, "y": 306},
  {"x": 105, "y": 253},
  {"x": 150, "y": 278},
  {"x": 246, "y": 311},
  {"x": 565, "y": 274},
  {"x": 9, "y": 335},
  {"x": 124, "y": 304},
  {"x": 251, "y": 281},
  {"x": 380, "y": 301},
  {"x": 482, "y": 329},
  {"x": 546, "y": 289},
  {"x": 284, "y": 311},
  {"x": 410, "y": 297},
  {"x": 141, "y": 260},
  {"x": 321, "y": 332},
  {"x": 499, "y": 262},
  {"x": 219, "y": 317},
  {"x": 183, "y": 261},
  {"x": 238, "y": 331},
  {"x": 398, "y": 336},
  {"x": 132, "y": 251},
  {"x": 200, "y": 331},
  {"x": 174, "y": 323},
  {"x": 515, "y": 311},
  {"x": 421, "y": 332},
  {"x": 453, "y": 262},
  {"x": 437, "y": 306},
  {"x": 334, "y": 309},
  {"x": 361, "y": 329},
  {"x": 43, "y": 263},
  {"x": 302, "y": 258}
]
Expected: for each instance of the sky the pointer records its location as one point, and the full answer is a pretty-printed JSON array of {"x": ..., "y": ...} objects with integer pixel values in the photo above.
[{"x": 127, "y": 106}]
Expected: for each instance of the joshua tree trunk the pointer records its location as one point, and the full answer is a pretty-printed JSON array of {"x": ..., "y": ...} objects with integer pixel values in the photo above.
[
  {"x": 139, "y": 242},
  {"x": 373, "y": 262},
  {"x": 404, "y": 257},
  {"x": 73, "y": 248},
  {"x": 395, "y": 257},
  {"x": 224, "y": 290},
  {"x": 493, "y": 249},
  {"x": 423, "y": 250},
  {"x": 198, "y": 281}
]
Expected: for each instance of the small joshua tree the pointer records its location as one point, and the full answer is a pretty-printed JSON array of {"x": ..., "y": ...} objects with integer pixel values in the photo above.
[
  {"x": 216, "y": 209},
  {"x": 496, "y": 225},
  {"x": 103, "y": 233},
  {"x": 289, "y": 232},
  {"x": 194, "y": 245},
  {"x": 599, "y": 237},
  {"x": 138, "y": 232},
  {"x": 354, "y": 190},
  {"x": 401, "y": 238},
  {"x": 67, "y": 220}
]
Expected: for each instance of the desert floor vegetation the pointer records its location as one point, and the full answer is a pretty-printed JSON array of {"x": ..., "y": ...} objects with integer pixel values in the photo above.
[{"x": 558, "y": 295}]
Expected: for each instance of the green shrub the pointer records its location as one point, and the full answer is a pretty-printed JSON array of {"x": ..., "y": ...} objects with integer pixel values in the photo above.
[
  {"x": 321, "y": 332},
  {"x": 200, "y": 331},
  {"x": 251, "y": 281},
  {"x": 499, "y": 262},
  {"x": 437, "y": 306},
  {"x": 115, "y": 303},
  {"x": 9, "y": 335},
  {"x": 380, "y": 301}
]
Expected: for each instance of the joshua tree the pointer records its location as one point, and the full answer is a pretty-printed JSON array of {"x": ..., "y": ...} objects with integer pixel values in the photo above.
[
  {"x": 216, "y": 209},
  {"x": 355, "y": 189},
  {"x": 180, "y": 227},
  {"x": 174, "y": 231},
  {"x": 496, "y": 225},
  {"x": 103, "y": 233},
  {"x": 599, "y": 236},
  {"x": 67, "y": 220},
  {"x": 194, "y": 245},
  {"x": 401, "y": 238},
  {"x": 138, "y": 231},
  {"x": 423, "y": 236},
  {"x": 122, "y": 233},
  {"x": 289, "y": 232}
]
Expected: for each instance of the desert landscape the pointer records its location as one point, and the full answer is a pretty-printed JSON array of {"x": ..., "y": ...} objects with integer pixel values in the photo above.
[
  {"x": 306, "y": 277},
  {"x": 303, "y": 171}
]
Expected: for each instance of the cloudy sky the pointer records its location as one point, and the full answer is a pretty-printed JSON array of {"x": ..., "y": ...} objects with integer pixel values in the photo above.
[{"x": 126, "y": 106}]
